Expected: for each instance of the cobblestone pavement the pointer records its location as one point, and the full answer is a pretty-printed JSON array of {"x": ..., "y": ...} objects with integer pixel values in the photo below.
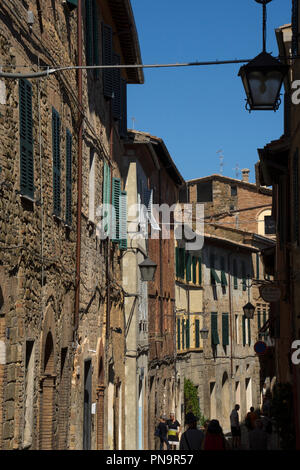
[{"x": 273, "y": 441}]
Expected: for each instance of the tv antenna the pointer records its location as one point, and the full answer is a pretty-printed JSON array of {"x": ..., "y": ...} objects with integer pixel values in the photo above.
[
  {"x": 221, "y": 157},
  {"x": 237, "y": 171},
  {"x": 133, "y": 121}
]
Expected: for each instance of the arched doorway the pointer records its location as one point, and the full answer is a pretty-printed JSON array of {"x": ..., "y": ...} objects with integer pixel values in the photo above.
[
  {"x": 100, "y": 401},
  {"x": 47, "y": 396},
  {"x": 225, "y": 402}
]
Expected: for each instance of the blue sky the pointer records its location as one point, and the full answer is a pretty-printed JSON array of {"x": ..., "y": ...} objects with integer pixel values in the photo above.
[{"x": 198, "y": 111}]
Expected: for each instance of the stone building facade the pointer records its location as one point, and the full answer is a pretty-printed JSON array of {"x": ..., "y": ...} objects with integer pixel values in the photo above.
[
  {"x": 278, "y": 167},
  {"x": 211, "y": 290},
  {"x": 61, "y": 304},
  {"x": 162, "y": 182}
]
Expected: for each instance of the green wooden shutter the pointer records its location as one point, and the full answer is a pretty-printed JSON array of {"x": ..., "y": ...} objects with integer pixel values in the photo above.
[
  {"x": 107, "y": 59},
  {"x": 116, "y": 103},
  {"x": 214, "y": 329},
  {"x": 257, "y": 265},
  {"x": 96, "y": 60},
  {"x": 188, "y": 333},
  {"x": 123, "y": 120},
  {"x": 89, "y": 39},
  {"x": 26, "y": 139},
  {"x": 56, "y": 162},
  {"x": 188, "y": 263},
  {"x": 258, "y": 320},
  {"x": 72, "y": 4},
  {"x": 106, "y": 197},
  {"x": 249, "y": 331},
  {"x": 181, "y": 263},
  {"x": 264, "y": 320},
  {"x": 197, "y": 333},
  {"x": 123, "y": 221},
  {"x": 183, "y": 333},
  {"x": 225, "y": 329},
  {"x": 116, "y": 193},
  {"x": 177, "y": 261},
  {"x": 244, "y": 330},
  {"x": 200, "y": 270},
  {"x": 194, "y": 264},
  {"x": 178, "y": 333},
  {"x": 68, "y": 178}
]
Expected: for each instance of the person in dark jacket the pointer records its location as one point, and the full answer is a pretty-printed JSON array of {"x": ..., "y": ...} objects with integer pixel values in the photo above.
[
  {"x": 163, "y": 436},
  {"x": 192, "y": 438}
]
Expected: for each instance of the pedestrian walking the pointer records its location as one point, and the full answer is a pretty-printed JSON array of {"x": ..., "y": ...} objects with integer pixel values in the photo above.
[
  {"x": 173, "y": 431},
  {"x": 235, "y": 427},
  {"x": 192, "y": 438},
  {"x": 250, "y": 419},
  {"x": 214, "y": 438},
  {"x": 162, "y": 432},
  {"x": 258, "y": 438}
]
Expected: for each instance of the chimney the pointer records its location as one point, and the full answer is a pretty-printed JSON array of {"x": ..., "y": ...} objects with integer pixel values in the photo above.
[{"x": 245, "y": 175}]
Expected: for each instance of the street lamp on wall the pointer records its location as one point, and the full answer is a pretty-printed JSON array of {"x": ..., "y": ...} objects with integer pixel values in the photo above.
[
  {"x": 263, "y": 76},
  {"x": 249, "y": 309},
  {"x": 204, "y": 333},
  {"x": 147, "y": 269}
]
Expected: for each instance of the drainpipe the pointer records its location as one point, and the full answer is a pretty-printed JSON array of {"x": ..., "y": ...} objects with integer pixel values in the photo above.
[
  {"x": 230, "y": 314},
  {"x": 79, "y": 177}
]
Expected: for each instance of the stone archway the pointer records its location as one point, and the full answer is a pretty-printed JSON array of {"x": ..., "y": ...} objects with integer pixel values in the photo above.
[{"x": 47, "y": 390}]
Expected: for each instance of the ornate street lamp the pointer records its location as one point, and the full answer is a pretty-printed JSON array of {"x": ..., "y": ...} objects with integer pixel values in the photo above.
[
  {"x": 147, "y": 269},
  {"x": 263, "y": 76},
  {"x": 249, "y": 309},
  {"x": 204, "y": 333}
]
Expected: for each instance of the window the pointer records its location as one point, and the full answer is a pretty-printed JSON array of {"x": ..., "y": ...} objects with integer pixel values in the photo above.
[
  {"x": 237, "y": 331},
  {"x": 204, "y": 192},
  {"x": 56, "y": 162},
  {"x": 214, "y": 278},
  {"x": 270, "y": 228},
  {"x": 197, "y": 333},
  {"x": 223, "y": 275},
  {"x": 92, "y": 186},
  {"x": 183, "y": 331},
  {"x": 123, "y": 120},
  {"x": 257, "y": 265},
  {"x": 244, "y": 282},
  {"x": 225, "y": 329},
  {"x": 235, "y": 275},
  {"x": 244, "y": 330},
  {"x": 188, "y": 264},
  {"x": 107, "y": 59},
  {"x": 106, "y": 198},
  {"x": 249, "y": 331},
  {"x": 119, "y": 225},
  {"x": 26, "y": 139},
  {"x": 233, "y": 190},
  {"x": 183, "y": 194},
  {"x": 68, "y": 178},
  {"x": 178, "y": 333},
  {"x": 187, "y": 333},
  {"x": 116, "y": 104},
  {"x": 92, "y": 35},
  {"x": 180, "y": 262},
  {"x": 214, "y": 329}
]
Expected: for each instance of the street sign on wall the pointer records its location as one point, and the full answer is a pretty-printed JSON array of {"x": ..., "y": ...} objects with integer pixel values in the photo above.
[
  {"x": 260, "y": 347},
  {"x": 270, "y": 293}
]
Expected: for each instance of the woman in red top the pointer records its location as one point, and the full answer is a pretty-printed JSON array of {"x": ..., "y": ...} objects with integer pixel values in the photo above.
[{"x": 214, "y": 437}]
